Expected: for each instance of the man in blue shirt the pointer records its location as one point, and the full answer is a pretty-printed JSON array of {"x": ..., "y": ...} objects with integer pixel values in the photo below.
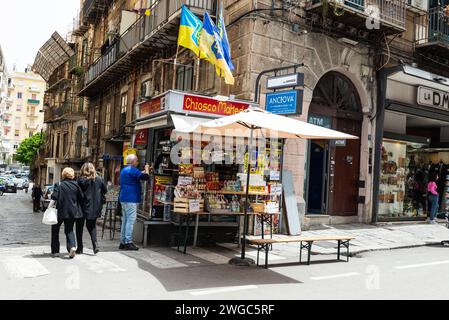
[{"x": 130, "y": 197}]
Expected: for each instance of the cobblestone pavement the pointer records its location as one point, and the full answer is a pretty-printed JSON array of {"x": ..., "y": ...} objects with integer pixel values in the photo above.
[{"x": 18, "y": 224}]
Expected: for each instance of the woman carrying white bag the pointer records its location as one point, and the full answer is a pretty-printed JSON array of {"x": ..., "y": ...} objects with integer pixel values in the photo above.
[
  {"x": 68, "y": 197},
  {"x": 51, "y": 214}
]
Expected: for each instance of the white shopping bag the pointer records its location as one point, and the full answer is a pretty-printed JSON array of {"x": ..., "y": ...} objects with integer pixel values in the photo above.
[{"x": 50, "y": 215}]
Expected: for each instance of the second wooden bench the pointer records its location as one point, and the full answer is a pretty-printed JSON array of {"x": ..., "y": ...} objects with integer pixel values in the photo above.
[{"x": 305, "y": 243}]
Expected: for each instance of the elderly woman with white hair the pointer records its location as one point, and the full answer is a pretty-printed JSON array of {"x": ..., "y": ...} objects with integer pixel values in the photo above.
[
  {"x": 69, "y": 197},
  {"x": 130, "y": 197}
]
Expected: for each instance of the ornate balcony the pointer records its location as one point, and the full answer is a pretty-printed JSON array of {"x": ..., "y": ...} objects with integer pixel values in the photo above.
[
  {"x": 147, "y": 36},
  {"x": 360, "y": 18},
  {"x": 93, "y": 10},
  {"x": 432, "y": 34}
]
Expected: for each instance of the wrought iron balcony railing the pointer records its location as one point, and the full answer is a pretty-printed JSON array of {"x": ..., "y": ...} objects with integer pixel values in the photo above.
[
  {"x": 433, "y": 28},
  {"x": 161, "y": 12}
]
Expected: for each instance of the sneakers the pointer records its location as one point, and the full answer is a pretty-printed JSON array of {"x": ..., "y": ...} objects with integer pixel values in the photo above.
[
  {"x": 433, "y": 222},
  {"x": 55, "y": 255},
  {"x": 131, "y": 247},
  {"x": 72, "y": 253},
  {"x": 79, "y": 251},
  {"x": 122, "y": 246}
]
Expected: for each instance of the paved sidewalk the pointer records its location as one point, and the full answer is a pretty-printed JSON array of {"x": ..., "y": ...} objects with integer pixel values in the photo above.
[{"x": 370, "y": 238}]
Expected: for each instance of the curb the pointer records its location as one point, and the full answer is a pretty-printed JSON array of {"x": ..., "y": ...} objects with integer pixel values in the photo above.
[{"x": 355, "y": 253}]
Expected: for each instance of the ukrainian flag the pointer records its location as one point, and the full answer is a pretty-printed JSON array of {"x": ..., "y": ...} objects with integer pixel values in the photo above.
[
  {"x": 189, "y": 31},
  {"x": 224, "y": 38},
  {"x": 211, "y": 46}
]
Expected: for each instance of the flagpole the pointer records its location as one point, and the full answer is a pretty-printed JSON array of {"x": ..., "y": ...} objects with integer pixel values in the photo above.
[
  {"x": 174, "y": 68},
  {"x": 197, "y": 80}
]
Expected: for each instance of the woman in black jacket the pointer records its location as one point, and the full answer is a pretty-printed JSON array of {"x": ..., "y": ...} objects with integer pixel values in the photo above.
[
  {"x": 68, "y": 197},
  {"x": 94, "y": 190}
]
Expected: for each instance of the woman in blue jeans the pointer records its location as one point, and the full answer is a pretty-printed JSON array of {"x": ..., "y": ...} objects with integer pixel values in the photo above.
[{"x": 432, "y": 194}]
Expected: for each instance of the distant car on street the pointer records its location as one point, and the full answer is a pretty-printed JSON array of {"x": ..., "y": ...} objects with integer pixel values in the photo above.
[
  {"x": 10, "y": 186},
  {"x": 19, "y": 183}
]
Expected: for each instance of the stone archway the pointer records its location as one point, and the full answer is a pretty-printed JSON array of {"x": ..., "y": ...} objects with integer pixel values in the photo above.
[{"x": 334, "y": 166}]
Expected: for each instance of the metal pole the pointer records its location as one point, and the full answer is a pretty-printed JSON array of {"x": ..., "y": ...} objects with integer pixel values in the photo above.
[
  {"x": 248, "y": 175},
  {"x": 257, "y": 89}
]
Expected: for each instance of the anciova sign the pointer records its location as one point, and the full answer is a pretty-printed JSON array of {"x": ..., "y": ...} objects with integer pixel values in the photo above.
[
  {"x": 433, "y": 98},
  {"x": 285, "y": 81},
  {"x": 285, "y": 102}
]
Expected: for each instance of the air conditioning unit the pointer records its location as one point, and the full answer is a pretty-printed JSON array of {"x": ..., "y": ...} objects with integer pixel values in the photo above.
[{"x": 420, "y": 5}]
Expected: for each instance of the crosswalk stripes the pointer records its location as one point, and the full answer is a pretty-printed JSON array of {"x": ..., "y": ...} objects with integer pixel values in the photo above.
[
  {"x": 98, "y": 264},
  {"x": 23, "y": 267},
  {"x": 31, "y": 262},
  {"x": 157, "y": 259}
]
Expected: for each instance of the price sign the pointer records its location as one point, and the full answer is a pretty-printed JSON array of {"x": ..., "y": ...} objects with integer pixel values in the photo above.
[
  {"x": 185, "y": 181},
  {"x": 272, "y": 207},
  {"x": 217, "y": 156},
  {"x": 275, "y": 175},
  {"x": 261, "y": 189},
  {"x": 276, "y": 189},
  {"x": 194, "y": 205}
]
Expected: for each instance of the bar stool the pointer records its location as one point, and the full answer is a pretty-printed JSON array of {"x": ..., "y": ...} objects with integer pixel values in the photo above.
[{"x": 111, "y": 213}]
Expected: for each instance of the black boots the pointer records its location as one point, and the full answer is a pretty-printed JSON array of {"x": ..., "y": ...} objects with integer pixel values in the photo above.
[{"x": 96, "y": 248}]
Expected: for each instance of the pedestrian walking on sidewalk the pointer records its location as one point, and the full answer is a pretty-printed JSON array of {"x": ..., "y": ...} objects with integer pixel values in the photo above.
[
  {"x": 94, "y": 190},
  {"x": 36, "y": 195},
  {"x": 130, "y": 197},
  {"x": 433, "y": 196},
  {"x": 68, "y": 196}
]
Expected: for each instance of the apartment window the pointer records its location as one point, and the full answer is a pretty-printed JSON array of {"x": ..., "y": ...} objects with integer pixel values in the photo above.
[
  {"x": 16, "y": 146},
  {"x": 17, "y": 133},
  {"x": 19, "y": 95},
  {"x": 19, "y": 108},
  {"x": 65, "y": 145},
  {"x": 30, "y": 134},
  {"x": 96, "y": 119},
  {"x": 18, "y": 122},
  {"x": 107, "y": 124},
  {"x": 33, "y": 96},
  {"x": 184, "y": 78},
  {"x": 124, "y": 104}
]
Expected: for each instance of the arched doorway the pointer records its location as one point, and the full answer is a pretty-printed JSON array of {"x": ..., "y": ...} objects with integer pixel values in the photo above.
[{"x": 334, "y": 166}]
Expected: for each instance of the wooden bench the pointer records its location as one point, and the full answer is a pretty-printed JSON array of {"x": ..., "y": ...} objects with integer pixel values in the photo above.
[{"x": 305, "y": 243}]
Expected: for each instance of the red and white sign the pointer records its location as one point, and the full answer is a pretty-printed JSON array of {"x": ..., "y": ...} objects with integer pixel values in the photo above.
[
  {"x": 212, "y": 106},
  {"x": 141, "y": 137}
]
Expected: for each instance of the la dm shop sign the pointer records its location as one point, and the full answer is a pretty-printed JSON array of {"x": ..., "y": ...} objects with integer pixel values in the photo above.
[
  {"x": 285, "y": 102},
  {"x": 212, "y": 106},
  {"x": 433, "y": 98}
]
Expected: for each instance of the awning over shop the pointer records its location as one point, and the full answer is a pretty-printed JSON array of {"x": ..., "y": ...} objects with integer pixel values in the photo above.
[
  {"x": 187, "y": 123},
  {"x": 51, "y": 55},
  {"x": 181, "y": 123},
  {"x": 259, "y": 123},
  {"x": 152, "y": 123},
  {"x": 417, "y": 77}
]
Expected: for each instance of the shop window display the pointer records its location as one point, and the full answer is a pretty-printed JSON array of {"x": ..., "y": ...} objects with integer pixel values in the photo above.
[{"x": 404, "y": 174}]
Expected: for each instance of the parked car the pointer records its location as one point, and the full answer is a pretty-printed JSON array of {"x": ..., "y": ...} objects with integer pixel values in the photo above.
[
  {"x": 10, "y": 186},
  {"x": 18, "y": 182},
  {"x": 46, "y": 195}
]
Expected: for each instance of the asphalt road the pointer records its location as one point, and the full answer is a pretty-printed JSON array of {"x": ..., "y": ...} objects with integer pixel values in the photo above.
[{"x": 27, "y": 271}]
